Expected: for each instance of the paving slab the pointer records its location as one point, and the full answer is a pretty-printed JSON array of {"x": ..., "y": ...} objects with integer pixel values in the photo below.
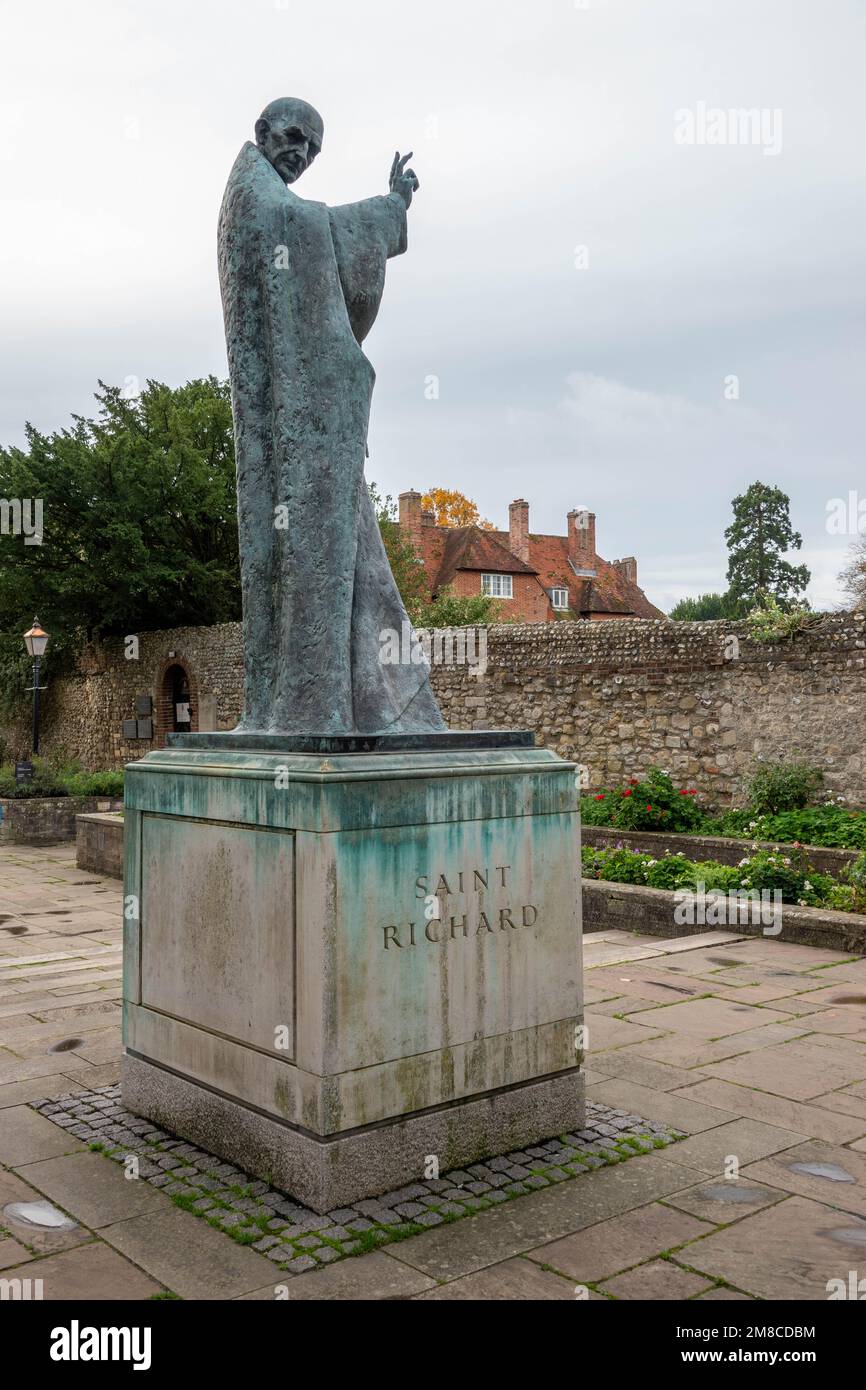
[
  {"x": 39, "y": 1088},
  {"x": 604, "y": 1032},
  {"x": 42, "y": 1239},
  {"x": 708, "y": 1018},
  {"x": 676, "y": 1110},
  {"x": 91, "y": 1189},
  {"x": 367, "y": 1277},
  {"x": 51, "y": 1064},
  {"x": 26, "y": 1137},
  {"x": 789, "y": 1251},
  {"x": 11, "y": 1253},
  {"x": 92, "y": 1272},
  {"x": 744, "y": 1140},
  {"x": 656, "y": 1281},
  {"x": 611, "y": 1246},
  {"x": 681, "y": 1050},
  {"x": 630, "y": 1065},
  {"x": 723, "y": 1200},
  {"x": 188, "y": 1256},
  {"x": 825, "y": 1172},
  {"x": 512, "y": 1280},
  {"x": 494, "y": 1236},
  {"x": 811, "y": 1120},
  {"x": 795, "y": 1070},
  {"x": 724, "y": 1295},
  {"x": 843, "y": 1103},
  {"x": 605, "y": 953}
]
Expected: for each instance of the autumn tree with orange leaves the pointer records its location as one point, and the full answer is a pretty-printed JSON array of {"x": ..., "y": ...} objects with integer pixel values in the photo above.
[{"x": 452, "y": 508}]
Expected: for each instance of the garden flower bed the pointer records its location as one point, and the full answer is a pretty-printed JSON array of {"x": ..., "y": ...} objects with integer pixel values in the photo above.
[
  {"x": 655, "y": 804},
  {"x": 791, "y": 876}
]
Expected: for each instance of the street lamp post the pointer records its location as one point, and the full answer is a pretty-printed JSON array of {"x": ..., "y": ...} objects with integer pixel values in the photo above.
[{"x": 36, "y": 642}]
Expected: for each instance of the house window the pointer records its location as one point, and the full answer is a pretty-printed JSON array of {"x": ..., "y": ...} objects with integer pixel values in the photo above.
[
  {"x": 559, "y": 598},
  {"x": 496, "y": 585}
]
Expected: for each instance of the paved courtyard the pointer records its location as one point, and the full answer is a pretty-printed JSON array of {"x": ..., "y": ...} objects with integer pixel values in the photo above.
[{"x": 752, "y": 1049}]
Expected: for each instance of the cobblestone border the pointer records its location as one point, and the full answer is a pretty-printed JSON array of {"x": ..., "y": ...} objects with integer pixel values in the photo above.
[{"x": 298, "y": 1239}]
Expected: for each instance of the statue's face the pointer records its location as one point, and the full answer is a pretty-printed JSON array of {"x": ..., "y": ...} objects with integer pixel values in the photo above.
[{"x": 289, "y": 133}]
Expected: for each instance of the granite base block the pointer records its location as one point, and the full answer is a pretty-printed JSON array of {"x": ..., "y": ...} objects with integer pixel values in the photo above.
[
  {"x": 338, "y": 964},
  {"x": 337, "y": 1172}
]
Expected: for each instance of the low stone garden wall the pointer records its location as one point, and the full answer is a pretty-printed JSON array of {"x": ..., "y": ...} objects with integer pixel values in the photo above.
[
  {"x": 650, "y": 911},
  {"x": 698, "y": 847},
  {"x": 45, "y": 820},
  {"x": 99, "y": 843}
]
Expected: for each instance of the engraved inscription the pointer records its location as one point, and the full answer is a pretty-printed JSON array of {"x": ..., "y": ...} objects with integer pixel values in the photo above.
[{"x": 483, "y": 910}]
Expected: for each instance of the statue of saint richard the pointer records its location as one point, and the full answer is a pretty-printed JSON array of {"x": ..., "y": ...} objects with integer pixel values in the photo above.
[{"x": 301, "y": 285}]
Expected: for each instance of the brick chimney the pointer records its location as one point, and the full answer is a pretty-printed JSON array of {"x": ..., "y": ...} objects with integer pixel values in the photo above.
[
  {"x": 410, "y": 514},
  {"x": 518, "y": 529},
  {"x": 581, "y": 539},
  {"x": 627, "y": 568}
]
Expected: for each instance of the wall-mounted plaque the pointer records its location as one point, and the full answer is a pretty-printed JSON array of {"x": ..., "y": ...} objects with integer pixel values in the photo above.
[
  {"x": 129, "y": 728},
  {"x": 144, "y": 706},
  {"x": 145, "y": 728}
]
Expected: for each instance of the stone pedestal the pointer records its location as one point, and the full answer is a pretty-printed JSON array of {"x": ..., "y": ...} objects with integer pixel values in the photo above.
[{"x": 339, "y": 967}]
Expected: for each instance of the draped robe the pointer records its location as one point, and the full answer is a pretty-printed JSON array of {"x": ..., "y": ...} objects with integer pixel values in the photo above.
[{"x": 301, "y": 285}]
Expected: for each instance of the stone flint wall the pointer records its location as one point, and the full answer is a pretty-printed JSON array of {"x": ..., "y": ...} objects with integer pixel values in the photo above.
[{"x": 702, "y": 700}]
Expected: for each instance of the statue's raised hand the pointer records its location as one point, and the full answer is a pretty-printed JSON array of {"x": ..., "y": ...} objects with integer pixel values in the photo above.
[{"x": 402, "y": 180}]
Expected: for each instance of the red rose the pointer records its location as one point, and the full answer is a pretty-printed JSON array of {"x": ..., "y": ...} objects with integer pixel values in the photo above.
[
  {"x": 600, "y": 797},
  {"x": 627, "y": 791},
  {"x": 649, "y": 808}
]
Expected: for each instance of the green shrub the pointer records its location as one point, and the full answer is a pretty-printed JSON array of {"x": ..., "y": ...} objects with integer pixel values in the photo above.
[
  {"x": 95, "y": 784},
  {"x": 831, "y": 825},
  {"x": 614, "y": 865},
  {"x": 64, "y": 780},
  {"x": 717, "y": 878},
  {"x": 782, "y": 786},
  {"x": 653, "y": 803},
  {"x": 669, "y": 872},
  {"x": 768, "y": 621},
  {"x": 764, "y": 871}
]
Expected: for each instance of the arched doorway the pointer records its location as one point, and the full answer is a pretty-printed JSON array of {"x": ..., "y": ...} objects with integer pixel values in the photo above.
[
  {"x": 177, "y": 700},
  {"x": 181, "y": 702}
]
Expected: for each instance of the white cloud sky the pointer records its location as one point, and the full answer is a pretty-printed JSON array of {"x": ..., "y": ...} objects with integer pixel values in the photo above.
[{"x": 536, "y": 129}]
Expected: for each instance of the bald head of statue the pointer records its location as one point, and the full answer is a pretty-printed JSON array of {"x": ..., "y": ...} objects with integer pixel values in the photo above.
[{"x": 289, "y": 133}]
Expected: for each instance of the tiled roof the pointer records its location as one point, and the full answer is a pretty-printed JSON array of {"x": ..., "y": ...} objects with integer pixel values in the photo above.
[
  {"x": 608, "y": 591},
  {"x": 446, "y": 550}
]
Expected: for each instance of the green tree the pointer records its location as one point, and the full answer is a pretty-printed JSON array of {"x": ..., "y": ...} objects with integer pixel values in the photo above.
[
  {"x": 139, "y": 520},
  {"x": 447, "y": 609},
  {"x": 758, "y": 537},
  {"x": 406, "y": 565},
  {"x": 706, "y": 608},
  {"x": 458, "y": 610}
]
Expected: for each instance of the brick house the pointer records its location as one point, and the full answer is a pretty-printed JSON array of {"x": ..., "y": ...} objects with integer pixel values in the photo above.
[{"x": 539, "y": 578}]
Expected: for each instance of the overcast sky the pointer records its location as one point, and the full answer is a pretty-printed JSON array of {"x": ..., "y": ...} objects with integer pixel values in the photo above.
[{"x": 573, "y": 378}]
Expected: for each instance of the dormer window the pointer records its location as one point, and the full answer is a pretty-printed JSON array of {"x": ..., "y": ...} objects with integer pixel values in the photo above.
[
  {"x": 559, "y": 598},
  {"x": 496, "y": 585}
]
